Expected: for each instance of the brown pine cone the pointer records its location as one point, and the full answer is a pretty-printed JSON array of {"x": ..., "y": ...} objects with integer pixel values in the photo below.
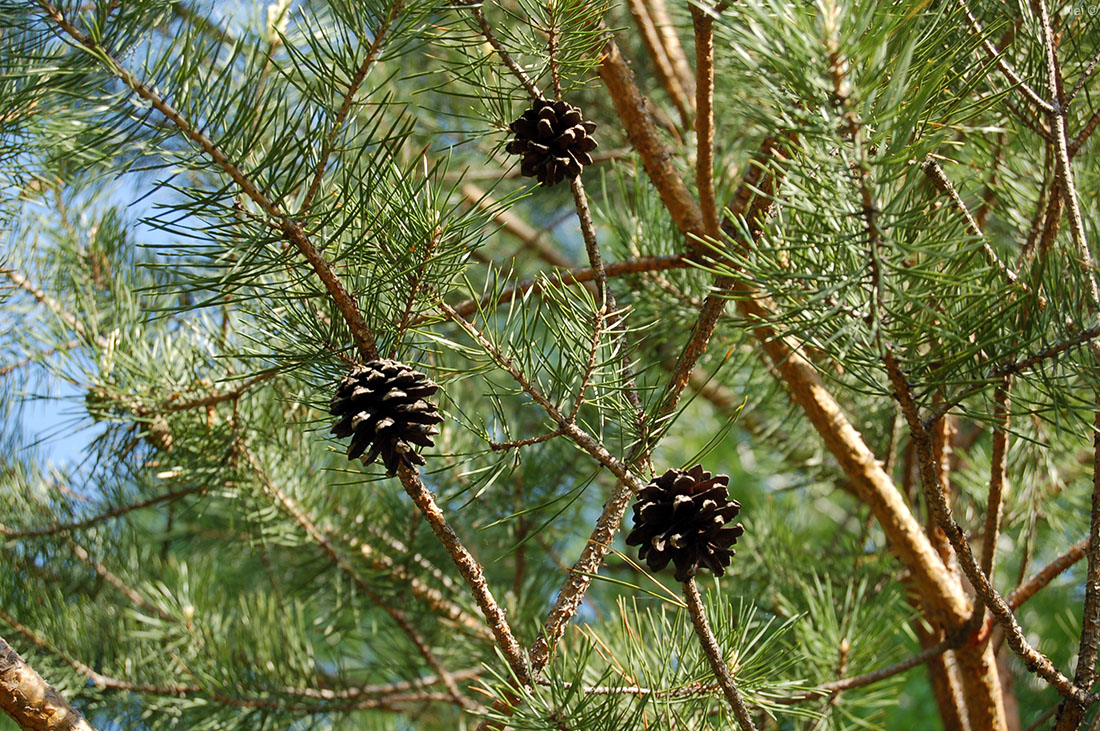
[
  {"x": 382, "y": 405},
  {"x": 554, "y": 141},
  {"x": 685, "y": 517}
]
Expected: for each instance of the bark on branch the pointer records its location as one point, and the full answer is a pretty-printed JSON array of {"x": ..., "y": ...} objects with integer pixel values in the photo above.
[{"x": 31, "y": 701}]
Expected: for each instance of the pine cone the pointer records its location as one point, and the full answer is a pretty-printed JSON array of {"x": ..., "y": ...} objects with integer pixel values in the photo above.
[
  {"x": 684, "y": 517},
  {"x": 553, "y": 140},
  {"x": 383, "y": 405}
]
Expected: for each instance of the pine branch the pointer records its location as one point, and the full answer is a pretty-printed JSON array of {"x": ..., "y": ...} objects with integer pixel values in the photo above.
[
  {"x": 514, "y": 225},
  {"x": 703, "y": 22},
  {"x": 490, "y": 37},
  {"x": 1059, "y": 127},
  {"x": 1086, "y": 132},
  {"x": 998, "y": 57},
  {"x": 30, "y": 701},
  {"x": 328, "y": 146},
  {"x": 20, "y": 280},
  {"x": 12, "y": 367},
  {"x": 996, "y": 475},
  {"x": 1035, "y": 661},
  {"x": 714, "y": 655},
  {"x": 14, "y": 533},
  {"x": 570, "y": 429},
  {"x": 290, "y": 229},
  {"x": 432, "y": 597},
  {"x": 668, "y": 72},
  {"x": 1048, "y": 573},
  {"x": 129, "y": 592},
  {"x": 642, "y": 133},
  {"x": 291, "y": 507},
  {"x": 579, "y": 275}
]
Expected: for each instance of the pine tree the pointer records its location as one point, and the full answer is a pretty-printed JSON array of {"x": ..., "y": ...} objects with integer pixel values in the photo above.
[{"x": 838, "y": 255}]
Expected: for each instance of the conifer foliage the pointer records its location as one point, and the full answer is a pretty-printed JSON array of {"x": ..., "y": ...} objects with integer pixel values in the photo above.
[{"x": 335, "y": 355}]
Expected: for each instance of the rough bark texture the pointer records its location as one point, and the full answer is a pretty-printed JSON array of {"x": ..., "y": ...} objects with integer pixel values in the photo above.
[{"x": 30, "y": 701}]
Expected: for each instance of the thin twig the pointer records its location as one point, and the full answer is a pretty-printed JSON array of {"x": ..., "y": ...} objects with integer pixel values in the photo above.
[
  {"x": 490, "y": 37},
  {"x": 580, "y": 275},
  {"x": 995, "y": 501},
  {"x": 1047, "y": 574},
  {"x": 104, "y": 573},
  {"x": 306, "y": 522},
  {"x": 1086, "y": 132},
  {"x": 501, "y": 446},
  {"x": 283, "y": 222},
  {"x": 432, "y": 597},
  {"x": 1083, "y": 78},
  {"x": 357, "y": 79},
  {"x": 11, "y": 367},
  {"x": 583, "y": 439},
  {"x": 714, "y": 655},
  {"x": 21, "y": 281},
  {"x": 14, "y": 533},
  {"x": 1002, "y": 62},
  {"x": 1059, "y": 126},
  {"x": 514, "y": 225},
  {"x": 1035, "y": 661},
  {"x": 939, "y": 178},
  {"x": 1069, "y": 717}
]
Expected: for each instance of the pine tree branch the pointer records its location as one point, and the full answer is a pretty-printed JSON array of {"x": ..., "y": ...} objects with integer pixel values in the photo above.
[
  {"x": 583, "y": 439},
  {"x": 999, "y": 58},
  {"x": 1035, "y": 661},
  {"x": 667, "y": 72},
  {"x": 656, "y": 158},
  {"x": 306, "y": 522},
  {"x": 403, "y": 686},
  {"x": 129, "y": 592},
  {"x": 295, "y": 234},
  {"x": 1059, "y": 127},
  {"x": 514, "y": 225},
  {"x": 20, "y": 280},
  {"x": 1082, "y": 337},
  {"x": 673, "y": 49},
  {"x": 12, "y": 367},
  {"x": 30, "y": 701},
  {"x": 703, "y": 23},
  {"x": 1086, "y": 132},
  {"x": 752, "y": 202},
  {"x": 568, "y": 278},
  {"x": 1083, "y": 78},
  {"x": 357, "y": 79},
  {"x": 432, "y": 597},
  {"x": 383, "y": 700},
  {"x": 490, "y": 37},
  {"x": 714, "y": 655},
  {"x": 1070, "y": 715},
  {"x": 1048, "y": 573},
  {"x": 14, "y": 533},
  {"x": 290, "y": 229},
  {"x": 994, "y": 503},
  {"x": 470, "y": 570},
  {"x": 939, "y": 178}
]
